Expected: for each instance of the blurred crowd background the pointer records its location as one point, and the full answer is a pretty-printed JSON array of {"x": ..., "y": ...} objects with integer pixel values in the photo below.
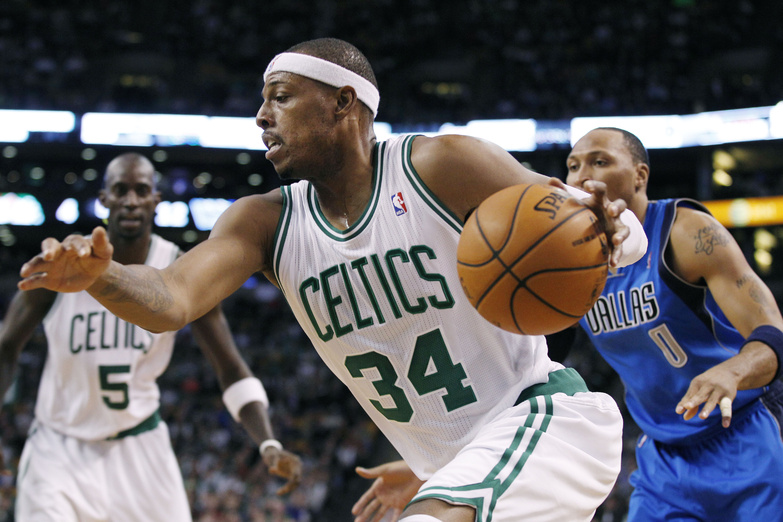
[{"x": 435, "y": 62}]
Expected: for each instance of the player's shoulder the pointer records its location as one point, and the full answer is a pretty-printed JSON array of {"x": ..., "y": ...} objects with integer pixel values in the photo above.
[
  {"x": 691, "y": 216},
  {"x": 257, "y": 205},
  {"x": 254, "y": 217},
  {"x": 446, "y": 146}
]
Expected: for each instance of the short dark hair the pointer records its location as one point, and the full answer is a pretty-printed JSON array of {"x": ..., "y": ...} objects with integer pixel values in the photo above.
[
  {"x": 339, "y": 52},
  {"x": 125, "y": 160},
  {"x": 634, "y": 144}
]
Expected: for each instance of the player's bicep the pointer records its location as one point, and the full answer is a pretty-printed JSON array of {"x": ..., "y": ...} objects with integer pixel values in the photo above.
[
  {"x": 463, "y": 171},
  {"x": 703, "y": 250},
  {"x": 217, "y": 267}
]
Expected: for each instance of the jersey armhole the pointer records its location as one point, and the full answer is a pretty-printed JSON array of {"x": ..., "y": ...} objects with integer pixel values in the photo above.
[
  {"x": 423, "y": 191},
  {"x": 281, "y": 232}
]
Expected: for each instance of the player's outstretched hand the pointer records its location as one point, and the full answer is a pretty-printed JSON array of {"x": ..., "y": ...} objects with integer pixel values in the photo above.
[
  {"x": 394, "y": 486},
  {"x": 72, "y": 265},
  {"x": 608, "y": 213},
  {"x": 715, "y": 387},
  {"x": 286, "y": 465}
]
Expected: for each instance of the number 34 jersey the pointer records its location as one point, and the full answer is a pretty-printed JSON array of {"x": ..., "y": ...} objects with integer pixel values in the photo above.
[
  {"x": 659, "y": 332},
  {"x": 100, "y": 371},
  {"x": 382, "y": 303}
]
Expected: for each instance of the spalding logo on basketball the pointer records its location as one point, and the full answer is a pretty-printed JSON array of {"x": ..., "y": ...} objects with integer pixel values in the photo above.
[{"x": 532, "y": 259}]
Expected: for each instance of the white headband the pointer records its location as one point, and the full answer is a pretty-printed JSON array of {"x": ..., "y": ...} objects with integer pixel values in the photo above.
[{"x": 326, "y": 72}]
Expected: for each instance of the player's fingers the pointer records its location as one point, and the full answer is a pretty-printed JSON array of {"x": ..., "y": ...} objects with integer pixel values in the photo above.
[
  {"x": 597, "y": 188},
  {"x": 374, "y": 511},
  {"x": 368, "y": 473},
  {"x": 690, "y": 413},
  {"x": 101, "y": 247},
  {"x": 33, "y": 266},
  {"x": 725, "y": 411},
  {"x": 34, "y": 281},
  {"x": 288, "y": 487},
  {"x": 365, "y": 499},
  {"x": 50, "y": 249},
  {"x": 556, "y": 182},
  {"x": 365, "y": 512},
  {"x": 709, "y": 405},
  {"x": 78, "y": 245}
]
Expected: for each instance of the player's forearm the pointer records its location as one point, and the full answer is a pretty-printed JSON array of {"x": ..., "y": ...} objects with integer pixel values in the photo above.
[
  {"x": 755, "y": 365},
  {"x": 255, "y": 420},
  {"x": 7, "y": 369},
  {"x": 140, "y": 295}
]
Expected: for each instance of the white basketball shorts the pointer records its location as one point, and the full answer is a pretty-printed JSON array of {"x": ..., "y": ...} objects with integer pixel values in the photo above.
[
  {"x": 550, "y": 458},
  {"x": 134, "y": 478}
]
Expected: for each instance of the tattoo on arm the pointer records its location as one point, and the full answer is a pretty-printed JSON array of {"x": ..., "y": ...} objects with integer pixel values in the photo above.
[
  {"x": 754, "y": 290},
  {"x": 708, "y": 238},
  {"x": 150, "y": 294}
]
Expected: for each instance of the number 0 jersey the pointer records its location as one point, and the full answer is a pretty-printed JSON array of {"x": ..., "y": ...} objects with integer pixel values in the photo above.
[
  {"x": 100, "y": 371},
  {"x": 382, "y": 303},
  {"x": 659, "y": 332}
]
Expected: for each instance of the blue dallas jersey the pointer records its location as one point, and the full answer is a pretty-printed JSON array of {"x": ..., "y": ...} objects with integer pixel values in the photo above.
[{"x": 658, "y": 332}]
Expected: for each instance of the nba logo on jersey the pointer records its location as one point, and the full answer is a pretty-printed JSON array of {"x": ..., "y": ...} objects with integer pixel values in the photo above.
[{"x": 399, "y": 204}]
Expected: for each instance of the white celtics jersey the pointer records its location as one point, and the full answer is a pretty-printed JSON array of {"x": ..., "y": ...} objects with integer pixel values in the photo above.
[
  {"x": 382, "y": 303},
  {"x": 100, "y": 372}
]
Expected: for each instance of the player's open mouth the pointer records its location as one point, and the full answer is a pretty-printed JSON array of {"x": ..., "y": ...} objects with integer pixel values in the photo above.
[
  {"x": 273, "y": 147},
  {"x": 129, "y": 222},
  {"x": 272, "y": 144}
]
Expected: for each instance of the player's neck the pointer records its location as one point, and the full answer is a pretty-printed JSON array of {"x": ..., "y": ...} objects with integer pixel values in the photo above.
[
  {"x": 639, "y": 207},
  {"x": 344, "y": 197},
  {"x": 131, "y": 251}
]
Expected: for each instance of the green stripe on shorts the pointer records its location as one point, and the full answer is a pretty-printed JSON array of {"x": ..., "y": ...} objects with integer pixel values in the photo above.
[{"x": 566, "y": 381}]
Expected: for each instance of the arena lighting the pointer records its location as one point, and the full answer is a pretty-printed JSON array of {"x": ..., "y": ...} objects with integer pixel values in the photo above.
[
  {"x": 232, "y": 133},
  {"x": 20, "y": 209},
  {"x": 656, "y": 132},
  {"x": 512, "y": 135},
  {"x": 177, "y": 214},
  {"x": 776, "y": 121},
  {"x": 691, "y": 130},
  {"x": 16, "y": 126},
  {"x": 747, "y": 212},
  {"x": 206, "y": 211},
  {"x": 145, "y": 130},
  {"x": 68, "y": 211},
  {"x": 524, "y": 135}
]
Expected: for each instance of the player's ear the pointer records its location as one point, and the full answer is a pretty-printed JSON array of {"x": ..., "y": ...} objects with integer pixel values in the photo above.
[
  {"x": 346, "y": 100},
  {"x": 102, "y": 197},
  {"x": 642, "y": 175}
]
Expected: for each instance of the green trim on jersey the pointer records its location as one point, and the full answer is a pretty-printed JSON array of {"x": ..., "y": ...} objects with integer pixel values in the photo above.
[
  {"x": 355, "y": 229},
  {"x": 150, "y": 423},
  {"x": 282, "y": 231},
  {"x": 431, "y": 199}
]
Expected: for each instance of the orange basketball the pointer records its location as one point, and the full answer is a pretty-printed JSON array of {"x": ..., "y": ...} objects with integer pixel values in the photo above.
[{"x": 532, "y": 259}]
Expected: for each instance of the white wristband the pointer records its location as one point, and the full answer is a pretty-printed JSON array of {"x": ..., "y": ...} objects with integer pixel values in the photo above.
[
  {"x": 635, "y": 245},
  {"x": 270, "y": 443},
  {"x": 242, "y": 392}
]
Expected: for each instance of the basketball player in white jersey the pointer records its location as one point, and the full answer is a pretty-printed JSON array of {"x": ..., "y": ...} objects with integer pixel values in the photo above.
[
  {"x": 98, "y": 450},
  {"x": 364, "y": 249}
]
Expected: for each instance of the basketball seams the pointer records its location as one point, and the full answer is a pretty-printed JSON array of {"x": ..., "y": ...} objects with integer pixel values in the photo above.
[
  {"x": 554, "y": 245},
  {"x": 508, "y": 269},
  {"x": 523, "y": 286}
]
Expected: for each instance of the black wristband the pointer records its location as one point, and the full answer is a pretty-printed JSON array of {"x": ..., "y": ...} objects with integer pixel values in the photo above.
[{"x": 773, "y": 338}]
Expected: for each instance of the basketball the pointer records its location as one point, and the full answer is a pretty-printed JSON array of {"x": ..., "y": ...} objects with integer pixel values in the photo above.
[{"x": 532, "y": 259}]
